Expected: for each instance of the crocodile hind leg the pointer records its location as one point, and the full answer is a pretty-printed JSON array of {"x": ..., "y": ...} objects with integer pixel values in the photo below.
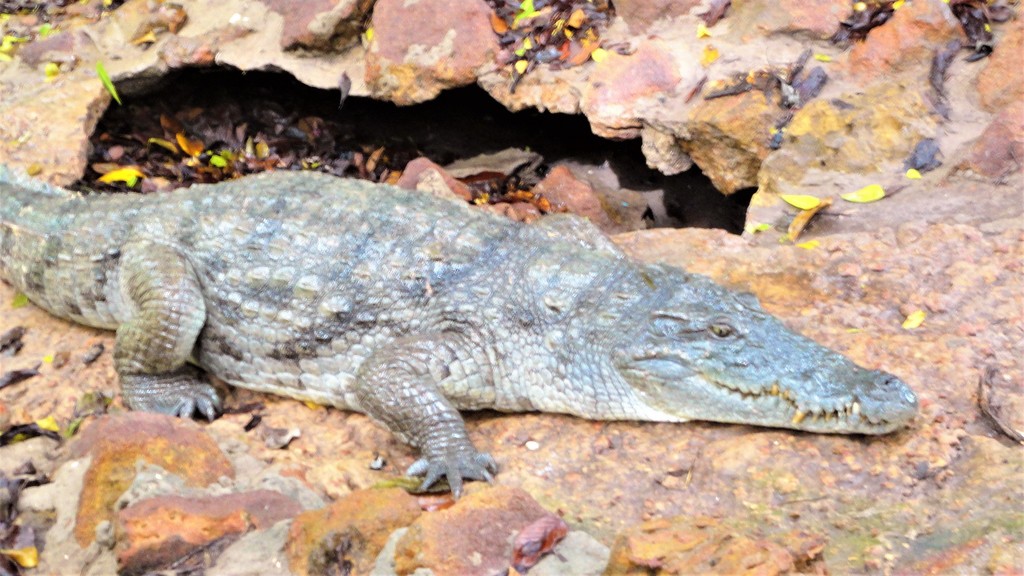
[
  {"x": 154, "y": 344},
  {"x": 398, "y": 386}
]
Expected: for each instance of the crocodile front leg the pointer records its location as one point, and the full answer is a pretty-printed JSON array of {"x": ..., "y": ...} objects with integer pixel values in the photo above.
[
  {"x": 399, "y": 386},
  {"x": 155, "y": 343}
]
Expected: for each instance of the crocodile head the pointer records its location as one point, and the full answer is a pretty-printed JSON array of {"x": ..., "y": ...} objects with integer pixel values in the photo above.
[{"x": 709, "y": 353}]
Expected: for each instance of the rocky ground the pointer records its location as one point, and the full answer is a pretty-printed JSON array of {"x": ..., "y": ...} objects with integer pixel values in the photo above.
[{"x": 135, "y": 492}]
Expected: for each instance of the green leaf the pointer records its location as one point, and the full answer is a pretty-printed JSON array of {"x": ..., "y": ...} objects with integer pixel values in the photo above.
[
  {"x": 45, "y": 30},
  {"x": 105, "y": 79},
  {"x": 218, "y": 161},
  {"x": 19, "y": 301}
]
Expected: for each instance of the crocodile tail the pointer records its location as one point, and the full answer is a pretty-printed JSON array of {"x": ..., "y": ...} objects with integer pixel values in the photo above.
[{"x": 17, "y": 178}]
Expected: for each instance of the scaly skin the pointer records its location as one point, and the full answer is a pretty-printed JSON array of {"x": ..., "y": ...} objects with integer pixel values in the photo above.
[{"x": 410, "y": 308}]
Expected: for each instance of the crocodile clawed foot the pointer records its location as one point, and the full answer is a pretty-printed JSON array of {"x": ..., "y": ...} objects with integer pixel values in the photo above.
[
  {"x": 455, "y": 467},
  {"x": 182, "y": 393}
]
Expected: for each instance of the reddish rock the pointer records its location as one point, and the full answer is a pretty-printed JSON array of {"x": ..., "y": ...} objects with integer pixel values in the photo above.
[
  {"x": 640, "y": 14},
  {"x": 706, "y": 546},
  {"x": 907, "y": 41},
  {"x": 563, "y": 189},
  {"x": 1002, "y": 81},
  {"x": 320, "y": 24},
  {"x": 117, "y": 442},
  {"x": 416, "y": 171},
  {"x": 473, "y": 537},
  {"x": 358, "y": 525},
  {"x": 620, "y": 85},
  {"x": 817, "y": 19},
  {"x": 419, "y": 48},
  {"x": 156, "y": 532},
  {"x": 519, "y": 211},
  {"x": 999, "y": 151}
]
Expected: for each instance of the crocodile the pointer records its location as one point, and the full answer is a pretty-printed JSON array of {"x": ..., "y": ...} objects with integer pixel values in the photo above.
[{"x": 410, "y": 307}]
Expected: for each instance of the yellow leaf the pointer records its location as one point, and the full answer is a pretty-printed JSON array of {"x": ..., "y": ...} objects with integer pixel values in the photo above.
[
  {"x": 527, "y": 44},
  {"x": 869, "y": 193},
  {"x": 708, "y": 55},
  {"x": 809, "y": 245},
  {"x": 165, "y": 144},
  {"x": 860, "y": 7},
  {"x": 48, "y": 423},
  {"x": 129, "y": 175},
  {"x": 262, "y": 150},
  {"x": 599, "y": 55},
  {"x": 755, "y": 228},
  {"x": 576, "y": 18},
  {"x": 20, "y": 300},
  {"x": 191, "y": 146},
  {"x": 702, "y": 31},
  {"x": 5, "y": 58},
  {"x": 51, "y": 69},
  {"x": 368, "y": 34},
  {"x": 914, "y": 319},
  {"x": 312, "y": 405},
  {"x": 801, "y": 201},
  {"x": 521, "y": 66},
  {"x": 25, "y": 557},
  {"x": 822, "y": 57},
  {"x": 913, "y": 174},
  {"x": 897, "y": 4},
  {"x": 48, "y": 358}
]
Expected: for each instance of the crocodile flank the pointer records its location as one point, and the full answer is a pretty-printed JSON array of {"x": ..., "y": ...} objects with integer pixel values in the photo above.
[{"x": 410, "y": 307}]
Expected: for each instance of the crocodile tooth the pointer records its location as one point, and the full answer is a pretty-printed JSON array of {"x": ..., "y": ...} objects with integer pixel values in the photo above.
[
  {"x": 855, "y": 409},
  {"x": 775, "y": 389},
  {"x": 799, "y": 416}
]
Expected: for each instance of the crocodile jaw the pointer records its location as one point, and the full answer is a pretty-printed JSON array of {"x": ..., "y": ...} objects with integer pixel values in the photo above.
[{"x": 884, "y": 404}]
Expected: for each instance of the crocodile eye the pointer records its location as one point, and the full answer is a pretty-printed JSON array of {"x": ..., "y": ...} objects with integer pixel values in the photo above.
[{"x": 720, "y": 330}]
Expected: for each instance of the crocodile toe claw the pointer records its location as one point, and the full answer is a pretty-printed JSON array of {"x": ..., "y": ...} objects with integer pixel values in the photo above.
[
  {"x": 455, "y": 467},
  {"x": 181, "y": 394}
]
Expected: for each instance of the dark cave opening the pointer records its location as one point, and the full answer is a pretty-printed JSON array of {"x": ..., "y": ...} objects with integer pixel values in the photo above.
[{"x": 458, "y": 124}]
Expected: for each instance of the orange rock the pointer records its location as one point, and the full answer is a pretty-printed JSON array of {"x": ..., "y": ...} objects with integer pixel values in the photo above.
[
  {"x": 999, "y": 151},
  {"x": 613, "y": 98},
  {"x": 640, "y": 14},
  {"x": 1002, "y": 81},
  {"x": 420, "y": 48},
  {"x": 416, "y": 170},
  {"x": 117, "y": 442},
  {"x": 157, "y": 531},
  {"x": 906, "y": 42},
  {"x": 356, "y": 526},
  {"x": 473, "y": 537}
]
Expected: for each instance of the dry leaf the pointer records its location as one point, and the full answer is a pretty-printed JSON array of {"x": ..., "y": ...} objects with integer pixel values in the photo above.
[
  {"x": 914, "y": 319},
  {"x": 801, "y": 220}
]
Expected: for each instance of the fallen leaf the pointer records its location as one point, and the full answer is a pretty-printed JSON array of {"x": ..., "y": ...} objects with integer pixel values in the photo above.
[
  {"x": 48, "y": 423},
  {"x": 191, "y": 146},
  {"x": 708, "y": 55},
  {"x": 801, "y": 220},
  {"x": 702, "y": 30},
  {"x": 521, "y": 66},
  {"x": 129, "y": 175},
  {"x": 19, "y": 300},
  {"x": 755, "y": 228},
  {"x": 822, "y": 57},
  {"x": 809, "y": 245},
  {"x": 913, "y": 174},
  {"x": 165, "y": 144},
  {"x": 914, "y": 319},
  {"x": 105, "y": 79},
  {"x": 25, "y": 557},
  {"x": 869, "y": 193},
  {"x": 801, "y": 201},
  {"x": 599, "y": 55},
  {"x": 498, "y": 24},
  {"x": 52, "y": 69}
]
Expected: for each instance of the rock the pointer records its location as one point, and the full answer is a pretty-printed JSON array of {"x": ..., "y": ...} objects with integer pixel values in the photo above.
[
  {"x": 473, "y": 537},
  {"x": 623, "y": 88},
  {"x": 616, "y": 211},
  {"x": 815, "y": 19},
  {"x": 728, "y": 138},
  {"x": 999, "y": 151},
  {"x": 1001, "y": 82},
  {"x": 640, "y": 14},
  {"x": 578, "y": 554},
  {"x": 518, "y": 211},
  {"x": 320, "y": 24},
  {"x": 703, "y": 545},
  {"x": 418, "y": 49},
  {"x": 907, "y": 42},
  {"x": 858, "y": 134},
  {"x": 157, "y": 531},
  {"x": 350, "y": 532},
  {"x": 422, "y": 174},
  {"x": 116, "y": 442}
]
